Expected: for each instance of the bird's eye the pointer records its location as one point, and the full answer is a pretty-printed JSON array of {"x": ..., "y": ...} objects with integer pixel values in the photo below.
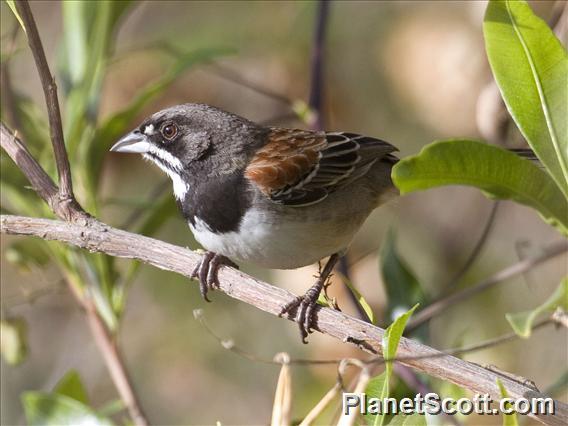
[{"x": 169, "y": 130}]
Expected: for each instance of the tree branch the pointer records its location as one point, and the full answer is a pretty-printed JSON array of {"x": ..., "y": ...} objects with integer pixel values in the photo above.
[
  {"x": 40, "y": 180},
  {"x": 54, "y": 115},
  {"x": 99, "y": 237}
]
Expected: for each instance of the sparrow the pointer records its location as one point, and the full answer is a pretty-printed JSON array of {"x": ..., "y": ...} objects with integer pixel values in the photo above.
[{"x": 275, "y": 197}]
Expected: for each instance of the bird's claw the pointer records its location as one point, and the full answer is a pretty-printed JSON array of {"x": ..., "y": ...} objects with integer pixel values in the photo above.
[
  {"x": 207, "y": 270},
  {"x": 305, "y": 310}
]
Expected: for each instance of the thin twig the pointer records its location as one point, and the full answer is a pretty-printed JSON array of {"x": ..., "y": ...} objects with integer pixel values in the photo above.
[
  {"x": 113, "y": 359},
  {"x": 476, "y": 249},
  {"x": 316, "y": 102},
  {"x": 228, "y": 74},
  {"x": 50, "y": 93},
  {"x": 436, "y": 308},
  {"x": 317, "y": 64}
]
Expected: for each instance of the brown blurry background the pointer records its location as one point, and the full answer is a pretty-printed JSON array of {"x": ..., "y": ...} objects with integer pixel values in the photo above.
[{"x": 406, "y": 72}]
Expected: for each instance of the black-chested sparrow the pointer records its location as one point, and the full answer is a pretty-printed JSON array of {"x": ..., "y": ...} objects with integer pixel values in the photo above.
[{"x": 278, "y": 198}]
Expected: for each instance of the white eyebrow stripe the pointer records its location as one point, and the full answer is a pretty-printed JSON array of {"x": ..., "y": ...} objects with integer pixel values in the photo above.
[{"x": 149, "y": 130}]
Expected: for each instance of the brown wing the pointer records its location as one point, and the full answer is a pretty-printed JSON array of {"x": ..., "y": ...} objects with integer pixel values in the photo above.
[{"x": 299, "y": 167}]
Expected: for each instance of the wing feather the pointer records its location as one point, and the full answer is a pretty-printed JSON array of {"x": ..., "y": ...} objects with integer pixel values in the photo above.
[{"x": 300, "y": 167}]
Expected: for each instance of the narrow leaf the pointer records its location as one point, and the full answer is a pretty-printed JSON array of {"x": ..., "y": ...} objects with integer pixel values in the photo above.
[
  {"x": 12, "y": 5},
  {"x": 360, "y": 299},
  {"x": 522, "y": 321},
  {"x": 402, "y": 286},
  {"x": 378, "y": 386},
  {"x": 497, "y": 172},
  {"x": 530, "y": 66},
  {"x": 508, "y": 419}
]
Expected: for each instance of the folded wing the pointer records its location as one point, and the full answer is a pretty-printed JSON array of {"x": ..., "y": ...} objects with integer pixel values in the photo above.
[{"x": 300, "y": 167}]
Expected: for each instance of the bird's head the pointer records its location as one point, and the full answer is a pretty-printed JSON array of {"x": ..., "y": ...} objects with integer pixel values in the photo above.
[{"x": 185, "y": 139}]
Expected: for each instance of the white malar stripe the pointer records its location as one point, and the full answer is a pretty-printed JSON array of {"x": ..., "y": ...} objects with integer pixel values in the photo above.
[
  {"x": 180, "y": 186},
  {"x": 165, "y": 156},
  {"x": 149, "y": 130}
]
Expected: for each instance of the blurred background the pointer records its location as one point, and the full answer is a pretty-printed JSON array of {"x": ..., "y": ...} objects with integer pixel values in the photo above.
[{"x": 406, "y": 72}]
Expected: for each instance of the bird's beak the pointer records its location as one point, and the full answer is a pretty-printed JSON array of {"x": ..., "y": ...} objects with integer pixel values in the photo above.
[{"x": 134, "y": 142}]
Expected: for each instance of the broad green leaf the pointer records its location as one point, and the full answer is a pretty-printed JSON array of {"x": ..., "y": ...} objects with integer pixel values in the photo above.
[
  {"x": 12, "y": 5},
  {"x": 45, "y": 409},
  {"x": 360, "y": 299},
  {"x": 508, "y": 419},
  {"x": 378, "y": 387},
  {"x": 409, "y": 420},
  {"x": 13, "y": 337},
  {"x": 497, "y": 172},
  {"x": 522, "y": 321},
  {"x": 530, "y": 66},
  {"x": 402, "y": 287},
  {"x": 70, "y": 385}
]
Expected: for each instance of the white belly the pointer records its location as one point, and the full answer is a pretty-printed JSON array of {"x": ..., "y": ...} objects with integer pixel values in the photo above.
[{"x": 278, "y": 244}]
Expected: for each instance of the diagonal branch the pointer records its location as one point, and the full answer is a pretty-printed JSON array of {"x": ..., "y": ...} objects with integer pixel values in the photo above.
[
  {"x": 98, "y": 237},
  {"x": 40, "y": 180},
  {"x": 54, "y": 115},
  {"x": 524, "y": 265}
]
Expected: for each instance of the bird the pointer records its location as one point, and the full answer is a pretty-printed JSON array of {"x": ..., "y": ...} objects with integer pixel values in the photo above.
[{"x": 278, "y": 198}]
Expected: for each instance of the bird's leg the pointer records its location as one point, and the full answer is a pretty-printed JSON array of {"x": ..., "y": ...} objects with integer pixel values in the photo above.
[
  {"x": 207, "y": 269},
  {"x": 305, "y": 305}
]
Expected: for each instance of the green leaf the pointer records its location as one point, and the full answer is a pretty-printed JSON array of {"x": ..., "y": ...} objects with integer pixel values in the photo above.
[
  {"x": 378, "y": 387},
  {"x": 408, "y": 420},
  {"x": 45, "y": 409},
  {"x": 508, "y": 419},
  {"x": 530, "y": 66},
  {"x": 522, "y": 321},
  {"x": 402, "y": 287},
  {"x": 360, "y": 299},
  {"x": 13, "y": 337},
  {"x": 497, "y": 172},
  {"x": 12, "y": 5},
  {"x": 70, "y": 385}
]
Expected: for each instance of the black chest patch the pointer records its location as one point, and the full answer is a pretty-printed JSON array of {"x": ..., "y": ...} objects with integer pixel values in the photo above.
[{"x": 220, "y": 202}]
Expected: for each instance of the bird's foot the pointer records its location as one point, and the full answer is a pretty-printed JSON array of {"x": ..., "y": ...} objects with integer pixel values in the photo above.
[
  {"x": 305, "y": 309},
  {"x": 207, "y": 270}
]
